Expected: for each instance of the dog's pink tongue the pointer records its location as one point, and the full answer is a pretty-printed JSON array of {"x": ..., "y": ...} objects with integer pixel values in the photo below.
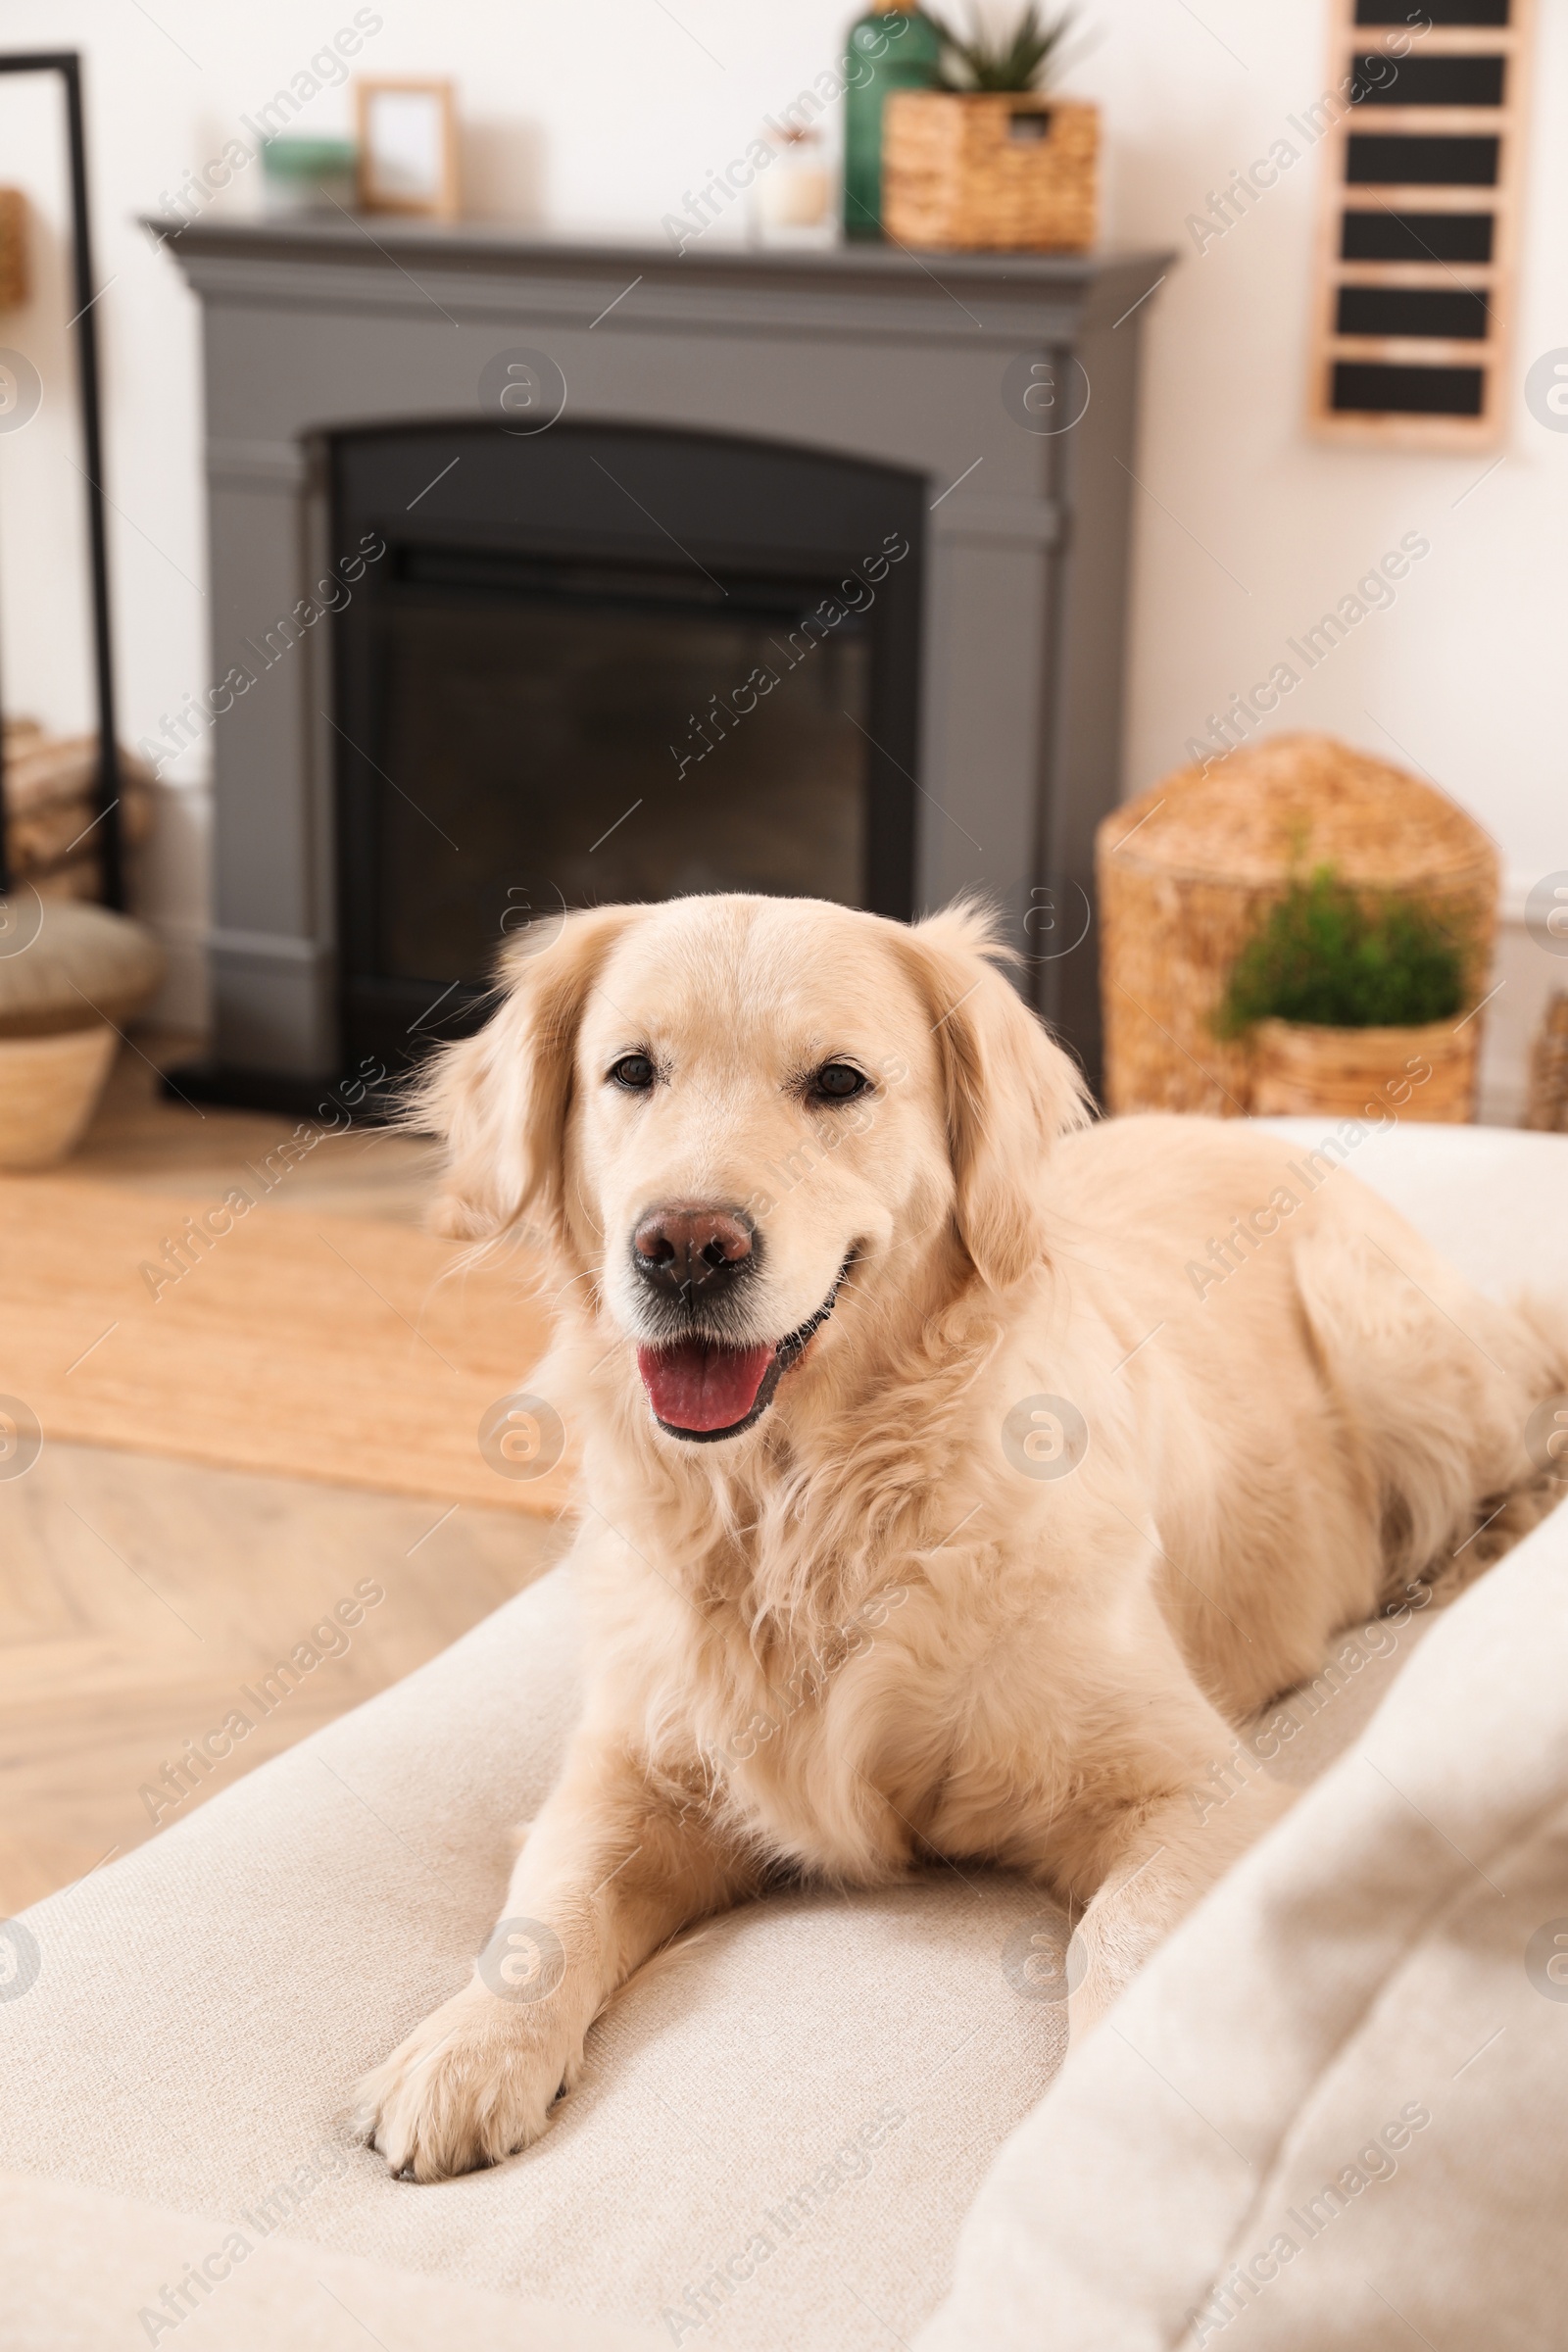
[{"x": 698, "y": 1385}]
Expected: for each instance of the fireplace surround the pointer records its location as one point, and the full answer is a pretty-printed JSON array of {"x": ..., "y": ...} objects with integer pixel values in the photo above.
[
  {"x": 490, "y": 717},
  {"x": 541, "y": 698}
]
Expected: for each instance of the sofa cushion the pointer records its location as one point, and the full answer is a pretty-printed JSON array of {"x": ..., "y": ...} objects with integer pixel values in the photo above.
[
  {"x": 72, "y": 2260},
  {"x": 781, "y": 2124}
]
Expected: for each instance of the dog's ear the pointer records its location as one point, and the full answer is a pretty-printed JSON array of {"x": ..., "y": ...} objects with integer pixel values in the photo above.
[
  {"x": 499, "y": 1099},
  {"x": 1009, "y": 1090}
]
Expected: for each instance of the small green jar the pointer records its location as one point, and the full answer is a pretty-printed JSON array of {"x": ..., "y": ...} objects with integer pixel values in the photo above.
[{"x": 894, "y": 48}]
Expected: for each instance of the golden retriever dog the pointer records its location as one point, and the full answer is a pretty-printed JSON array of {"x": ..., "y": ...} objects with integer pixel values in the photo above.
[{"x": 958, "y": 1475}]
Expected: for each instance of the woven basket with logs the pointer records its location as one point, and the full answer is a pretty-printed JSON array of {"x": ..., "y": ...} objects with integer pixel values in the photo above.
[
  {"x": 51, "y": 788},
  {"x": 1006, "y": 171},
  {"x": 1185, "y": 874}
]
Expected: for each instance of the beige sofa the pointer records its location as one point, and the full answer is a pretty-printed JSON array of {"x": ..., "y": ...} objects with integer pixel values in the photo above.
[{"x": 786, "y": 2121}]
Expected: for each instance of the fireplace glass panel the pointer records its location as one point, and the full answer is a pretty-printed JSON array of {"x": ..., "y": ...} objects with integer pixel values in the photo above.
[{"x": 568, "y": 749}]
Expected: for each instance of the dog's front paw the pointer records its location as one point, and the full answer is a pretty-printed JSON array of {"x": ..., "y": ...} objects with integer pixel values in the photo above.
[{"x": 473, "y": 2083}]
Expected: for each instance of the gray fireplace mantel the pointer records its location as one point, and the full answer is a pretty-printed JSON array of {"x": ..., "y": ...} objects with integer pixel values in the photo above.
[{"x": 311, "y": 328}]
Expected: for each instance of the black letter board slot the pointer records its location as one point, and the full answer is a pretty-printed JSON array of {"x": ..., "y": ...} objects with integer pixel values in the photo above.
[{"x": 1422, "y": 126}]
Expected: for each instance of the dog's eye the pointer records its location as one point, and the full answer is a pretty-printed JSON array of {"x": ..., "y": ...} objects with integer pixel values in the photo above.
[
  {"x": 838, "y": 1082},
  {"x": 633, "y": 1071}
]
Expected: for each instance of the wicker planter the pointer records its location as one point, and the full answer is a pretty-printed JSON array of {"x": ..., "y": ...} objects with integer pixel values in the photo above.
[
  {"x": 1296, "y": 1068},
  {"x": 49, "y": 1089},
  {"x": 1186, "y": 872},
  {"x": 1547, "y": 1108},
  {"x": 989, "y": 171}
]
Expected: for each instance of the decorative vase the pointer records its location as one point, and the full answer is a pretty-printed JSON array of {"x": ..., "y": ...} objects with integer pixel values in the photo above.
[
  {"x": 891, "y": 49},
  {"x": 1002, "y": 172},
  {"x": 792, "y": 200}
]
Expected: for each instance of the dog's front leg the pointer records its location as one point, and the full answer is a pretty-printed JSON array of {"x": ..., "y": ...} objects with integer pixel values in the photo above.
[
  {"x": 612, "y": 1868},
  {"x": 1158, "y": 1860}
]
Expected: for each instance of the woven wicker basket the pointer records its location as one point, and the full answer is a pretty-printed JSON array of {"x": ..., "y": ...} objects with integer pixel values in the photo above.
[
  {"x": 49, "y": 1089},
  {"x": 1429, "y": 1073},
  {"x": 989, "y": 171},
  {"x": 1187, "y": 871},
  {"x": 1547, "y": 1108}
]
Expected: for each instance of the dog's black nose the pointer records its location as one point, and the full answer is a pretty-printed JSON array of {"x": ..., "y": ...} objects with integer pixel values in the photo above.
[{"x": 687, "y": 1250}]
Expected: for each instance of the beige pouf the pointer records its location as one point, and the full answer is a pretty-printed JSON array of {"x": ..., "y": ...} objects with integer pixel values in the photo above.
[
  {"x": 1186, "y": 871},
  {"x": 70, "y": 976}
]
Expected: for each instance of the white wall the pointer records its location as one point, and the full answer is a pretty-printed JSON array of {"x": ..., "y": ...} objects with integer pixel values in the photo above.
[{"x": 601, "y": 116}]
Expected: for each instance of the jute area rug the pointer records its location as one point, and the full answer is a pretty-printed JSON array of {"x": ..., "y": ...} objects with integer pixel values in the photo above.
[{"x": 340, "y": 1348}]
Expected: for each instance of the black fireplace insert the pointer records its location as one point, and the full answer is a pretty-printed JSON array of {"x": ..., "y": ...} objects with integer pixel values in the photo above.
[{"x": 607, "y": 662}]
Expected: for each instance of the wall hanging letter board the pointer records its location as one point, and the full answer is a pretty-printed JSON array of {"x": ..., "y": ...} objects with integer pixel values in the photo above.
[{"x": 1422, "y": 123}]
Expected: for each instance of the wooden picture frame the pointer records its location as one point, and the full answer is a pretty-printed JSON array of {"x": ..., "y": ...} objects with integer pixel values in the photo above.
[
  {"x": 408, "y": 148},
  {"x": 1415, "y": 282}
]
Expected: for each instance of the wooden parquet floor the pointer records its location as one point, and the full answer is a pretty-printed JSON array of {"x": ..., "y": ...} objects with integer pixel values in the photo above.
[{"x": 143, "y": 1582}]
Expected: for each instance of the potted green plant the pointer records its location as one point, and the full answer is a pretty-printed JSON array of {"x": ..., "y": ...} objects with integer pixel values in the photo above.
[
  {"x": 990, "y": 161},
  {"x": 1346, "y": 1000}
]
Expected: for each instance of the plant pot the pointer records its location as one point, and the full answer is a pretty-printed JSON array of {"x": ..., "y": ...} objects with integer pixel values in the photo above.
[
  {"x": 49, "y": 1089},
  {"x": 994, "y": 172},
  {"x": 1298, "y": 1068}
]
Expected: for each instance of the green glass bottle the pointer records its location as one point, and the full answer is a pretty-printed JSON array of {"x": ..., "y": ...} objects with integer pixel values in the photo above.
[{"x": 893, "y": 48}]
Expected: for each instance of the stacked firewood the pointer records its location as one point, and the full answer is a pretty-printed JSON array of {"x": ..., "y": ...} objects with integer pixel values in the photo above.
[
  {"x": 53, "y": 827},
  {"x": 14, "y": 287}
]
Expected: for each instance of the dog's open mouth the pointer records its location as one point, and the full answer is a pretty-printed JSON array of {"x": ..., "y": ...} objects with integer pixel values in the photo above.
[{"x": 702, "y": 1390}]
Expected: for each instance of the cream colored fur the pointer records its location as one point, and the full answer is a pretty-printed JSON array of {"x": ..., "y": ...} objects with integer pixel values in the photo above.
[{"x": 865, "y": 1632}]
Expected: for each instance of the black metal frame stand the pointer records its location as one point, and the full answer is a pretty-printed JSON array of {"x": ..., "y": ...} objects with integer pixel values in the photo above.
[{"x": 67, "y": 65}]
